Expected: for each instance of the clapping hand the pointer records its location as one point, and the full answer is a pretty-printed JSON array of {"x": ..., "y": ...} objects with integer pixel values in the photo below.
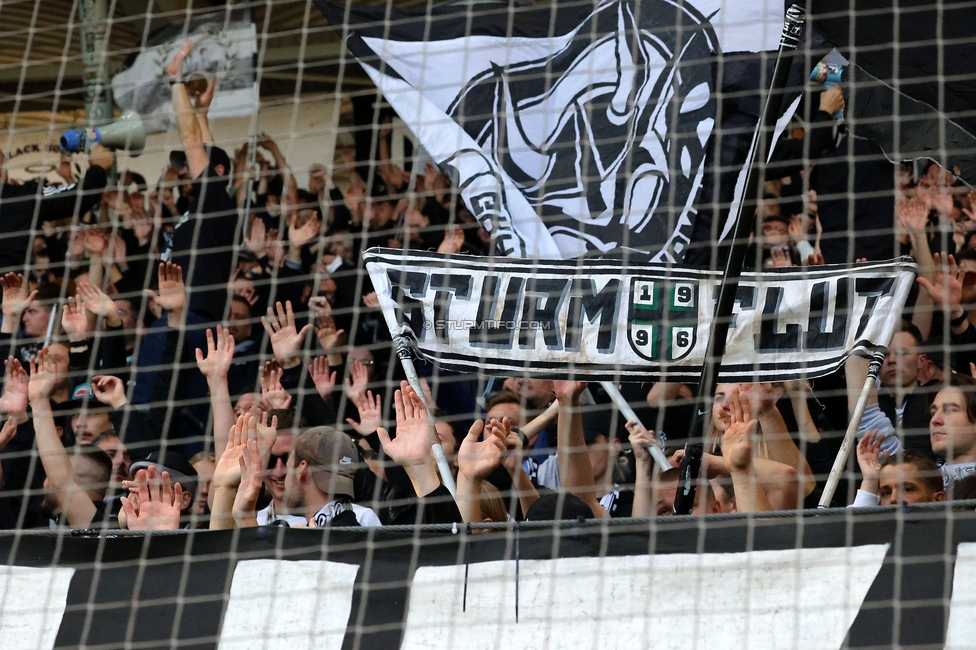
[
  {"x": 252, "y": 469},
  {"x": 476, "y": 460},
  {"x": 737, "y": 439},
  {"x": 16, "y": 296},
  {"x": 870, "y": 455},
  {"x": 946, "y": 287},
  {"x": 43, "y": 377},
  {"x": 74, "y": 320},
  {"x": 360, "y": 379},
  {"x": 220, "y": 355},
  {"x": 271, "y": 388},
  {"x": 99, "y": 304},
  {"x": 370, "y": 409},
  {"x": 13, "y": 401},
  {"x": 324, "y": 380},
  {"x": 286, "y": 339},
  {"x": 568, "y": 391},
  {"x": 227, "y": 474},
  {"x": 172, "y": 292},
  {"x": 159, "y": 502},
  {"x": 411, "y": 447},
  {"x": 453, "y": 241}
]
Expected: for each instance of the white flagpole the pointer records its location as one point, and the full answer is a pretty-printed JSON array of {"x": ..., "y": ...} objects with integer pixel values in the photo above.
[
  {"x": 50, "y": 325},
  {"x": 406, "y": 360},
  {"x": 662, "y": 461},
  {"x": 845, "y": 448}
]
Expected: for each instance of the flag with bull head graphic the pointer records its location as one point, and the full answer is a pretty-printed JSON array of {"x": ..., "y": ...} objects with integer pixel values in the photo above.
[{"x": 573, "y": 128}]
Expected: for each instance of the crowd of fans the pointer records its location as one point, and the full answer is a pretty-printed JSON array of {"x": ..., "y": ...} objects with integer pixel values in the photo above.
[{"x": 141, "y": 392}]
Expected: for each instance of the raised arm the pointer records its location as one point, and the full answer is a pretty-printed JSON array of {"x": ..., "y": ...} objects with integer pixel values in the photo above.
[
  {"x": 869, "y": 457},
  {"x": 750, "y": 493},
  {"x": 78, "y": 198},
  {"x": 227, "y": 475},
  {"x": 111, "y": 345},
  {"x": 540, "y": 422},
  {"x": 17, "y": 297},
  {"x": 411, "y": 447},
  {"x": 191, "y": 133},
  {"x": 761, "y": 400},
  {"x": 913, "y": 216},
  {"x": 77, "y": 506},
  {"x": 290, "y": 195},
  {"x": 254, "y": 459},
  {"x": 527, "y": 494},
  {"x": 575, "y": 471},
  {"x": 215, "y": 366},
  {"x": 476, "y": 460},
  {"x": 203, "y": 101},
  {"x": 806, "y": 427},
  {"x": 640, "y": 439}
]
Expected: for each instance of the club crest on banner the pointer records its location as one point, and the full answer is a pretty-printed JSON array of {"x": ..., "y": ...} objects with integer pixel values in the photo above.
[{"x": 663, "y": 320}]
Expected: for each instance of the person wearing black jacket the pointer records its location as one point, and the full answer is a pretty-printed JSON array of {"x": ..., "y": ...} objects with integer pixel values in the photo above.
[
  {"x": 203, "y": 239},
  {"x": 22, "y": 203},
  {"x": 411, "y": 450},
  {"x": 901, "y": 398},
  {"x": 946, "y": 290},
  {"x": 789, "y": 156}
]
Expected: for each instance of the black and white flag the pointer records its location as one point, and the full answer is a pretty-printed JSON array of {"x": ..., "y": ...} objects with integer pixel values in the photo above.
[
  {"x": 569, "y": 128},
  {"x": 602, "y": 319},
  {"x": 224, "y": 47},
  {"x": 911, "y": 86}
]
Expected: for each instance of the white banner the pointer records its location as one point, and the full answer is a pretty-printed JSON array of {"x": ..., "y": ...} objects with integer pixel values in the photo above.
[
  {"x": 602, "y": 319},
  {"x": 225, "y": 51}
]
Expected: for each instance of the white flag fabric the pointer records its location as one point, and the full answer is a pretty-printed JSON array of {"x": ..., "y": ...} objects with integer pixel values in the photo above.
[
  {"x": 568, "y": 128},
  {"x": 602, "y": 319},
  {"x": 225, "y": 50}
]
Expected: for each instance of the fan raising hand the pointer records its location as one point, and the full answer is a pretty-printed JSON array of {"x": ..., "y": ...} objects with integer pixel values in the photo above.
[
  {"x": 172, "y": 292},
  {"x": 286, "y": 339},
  {"x": 220, "y": 354}
]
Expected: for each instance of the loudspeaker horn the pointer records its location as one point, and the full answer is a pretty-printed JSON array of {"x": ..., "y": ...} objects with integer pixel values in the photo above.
[{"x": 125, "y": 133}]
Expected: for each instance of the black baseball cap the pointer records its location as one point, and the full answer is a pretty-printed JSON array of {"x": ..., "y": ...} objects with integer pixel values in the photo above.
[
  {"x": 169, "y": 461},
  {"x": 595, "y": 423}
]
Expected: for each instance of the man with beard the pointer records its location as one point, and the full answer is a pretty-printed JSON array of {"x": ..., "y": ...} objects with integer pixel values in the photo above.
[{"x": 319, "y": 482}]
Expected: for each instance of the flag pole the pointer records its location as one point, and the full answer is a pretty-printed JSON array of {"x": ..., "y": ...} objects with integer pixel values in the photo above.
[
  {"x": 405, "y": 353},
  {"x": 624, "y": 408},
  {"x": 684, "y": 500},
  {"x": 848, "y": 443}
]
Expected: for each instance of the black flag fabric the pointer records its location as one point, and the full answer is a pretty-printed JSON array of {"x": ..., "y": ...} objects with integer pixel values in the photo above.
[
  {"x": 911, "y": 81},
  {"x": 573, "y": 128}
]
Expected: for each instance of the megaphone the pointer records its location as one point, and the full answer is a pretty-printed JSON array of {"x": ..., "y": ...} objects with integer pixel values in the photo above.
[{"x": 126, "y": 132}]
